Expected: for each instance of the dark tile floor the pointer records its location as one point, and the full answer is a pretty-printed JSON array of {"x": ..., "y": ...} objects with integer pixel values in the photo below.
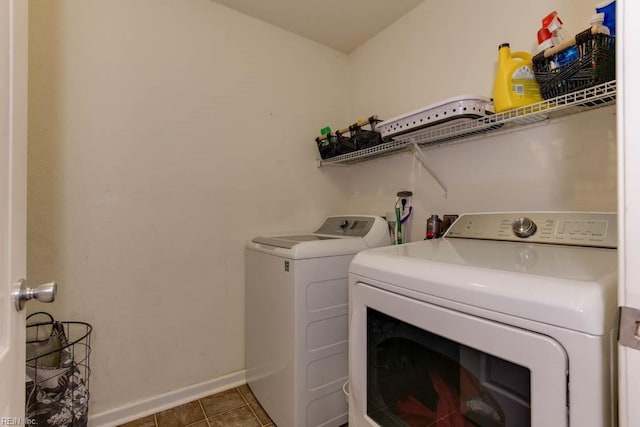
[{"x": 236, "y": 407}]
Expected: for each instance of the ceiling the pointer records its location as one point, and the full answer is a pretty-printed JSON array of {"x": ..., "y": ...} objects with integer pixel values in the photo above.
[{"x": 340, "y": 24}]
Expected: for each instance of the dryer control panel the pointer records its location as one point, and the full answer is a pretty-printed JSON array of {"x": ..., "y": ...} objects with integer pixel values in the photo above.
[{"x": 561, "y": 228}]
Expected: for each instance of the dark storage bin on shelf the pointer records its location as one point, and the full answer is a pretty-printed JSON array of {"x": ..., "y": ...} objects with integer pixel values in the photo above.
[
  {"x": 596, "y": 65},
  {"x": 366, "y": 138},
  {"x": 346, "y": 144},
  {"x": 351, "y": 139},
  {"x": 328, "y": 147}
]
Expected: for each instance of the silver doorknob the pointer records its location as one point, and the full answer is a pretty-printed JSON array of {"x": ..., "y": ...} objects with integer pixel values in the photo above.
[{"x": 43, "y": 293}]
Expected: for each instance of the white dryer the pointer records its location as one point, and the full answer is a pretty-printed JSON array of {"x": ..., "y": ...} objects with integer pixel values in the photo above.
[
  {"x": 296, "y": 318},
  {"x": 507, "y": 321}
]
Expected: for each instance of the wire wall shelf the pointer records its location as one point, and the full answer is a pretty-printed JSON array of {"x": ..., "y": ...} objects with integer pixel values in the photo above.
[{"x": 508, "y": 121}]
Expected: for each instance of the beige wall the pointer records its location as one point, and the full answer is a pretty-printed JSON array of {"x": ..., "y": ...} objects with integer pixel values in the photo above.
[
  {"x": 163, "y": 134},
  {"x": 446, "y": 49}
]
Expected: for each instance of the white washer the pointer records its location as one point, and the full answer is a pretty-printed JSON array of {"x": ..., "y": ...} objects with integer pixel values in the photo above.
[
  {"x": 296, "y": 318},
  {"x": 509, "y": 320}
]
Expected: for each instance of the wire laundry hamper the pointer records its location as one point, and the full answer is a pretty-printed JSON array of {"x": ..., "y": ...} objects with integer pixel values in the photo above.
[{"x": 57, "y": 388}]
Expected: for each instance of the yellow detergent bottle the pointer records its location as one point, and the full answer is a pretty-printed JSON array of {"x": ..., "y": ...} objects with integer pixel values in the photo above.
[{"x": 515, "y": 83}]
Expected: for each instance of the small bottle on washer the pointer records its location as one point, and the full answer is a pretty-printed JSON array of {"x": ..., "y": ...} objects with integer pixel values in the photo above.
[{"x": 434, "y": 225}]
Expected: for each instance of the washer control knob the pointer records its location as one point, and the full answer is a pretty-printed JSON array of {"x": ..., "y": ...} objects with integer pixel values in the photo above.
[
  {"x": 523, "y": 227},
  {"x": 344, "y": 224}
]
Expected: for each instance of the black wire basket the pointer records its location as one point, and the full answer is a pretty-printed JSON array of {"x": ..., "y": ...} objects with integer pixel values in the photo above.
[
  {"x": 595, "y": 65},
  {"x": 346, "y": 144},
  {"x": 57, "y": 388},
  {"x": 328, "y": 147},
  {"x": 354, "y": 138},
  {"x": 364, "y": 138}
]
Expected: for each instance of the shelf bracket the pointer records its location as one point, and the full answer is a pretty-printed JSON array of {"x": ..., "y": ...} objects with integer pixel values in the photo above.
[{"x": 420, "y": 155}]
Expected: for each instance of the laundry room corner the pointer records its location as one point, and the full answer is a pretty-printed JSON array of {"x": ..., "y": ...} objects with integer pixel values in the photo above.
[
  {"x": 176, "y": 177},
  {"x": 162, "y": 136},
  {"x": 440, "y": 51}
]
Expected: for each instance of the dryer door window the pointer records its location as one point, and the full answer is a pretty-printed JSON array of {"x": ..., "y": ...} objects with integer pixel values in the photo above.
[
  {"x": 417, "y": 378},
  {"x": 417, "y": 364}
]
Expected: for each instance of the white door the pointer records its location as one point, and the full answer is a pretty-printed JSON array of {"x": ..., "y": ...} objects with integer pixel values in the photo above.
[
  {"x": 13, "y": 180},
  {"x": 629, "y": 197}
]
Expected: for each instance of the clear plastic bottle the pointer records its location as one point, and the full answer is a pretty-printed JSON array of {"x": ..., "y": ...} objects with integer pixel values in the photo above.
[
  {"x": 553, "y": 23},
  {"x": 597, "y": 20},
  {"x": 545, "y": 42}
]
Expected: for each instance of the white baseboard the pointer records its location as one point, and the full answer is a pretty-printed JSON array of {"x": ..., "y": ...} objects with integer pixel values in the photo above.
[{"x": 142, "y": 408}]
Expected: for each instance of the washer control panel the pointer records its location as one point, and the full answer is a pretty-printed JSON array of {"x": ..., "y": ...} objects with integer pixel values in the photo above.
[
  {"x": 564, "y": 228},
  {"x": 352, "y": 226}
]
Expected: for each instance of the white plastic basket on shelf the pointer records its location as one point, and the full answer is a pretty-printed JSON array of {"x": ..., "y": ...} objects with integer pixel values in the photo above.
[{"x": 459, "y": 108}]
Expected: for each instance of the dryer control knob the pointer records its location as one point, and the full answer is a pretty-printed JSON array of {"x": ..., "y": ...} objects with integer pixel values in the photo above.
[{"x": 523, "y": 227}]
